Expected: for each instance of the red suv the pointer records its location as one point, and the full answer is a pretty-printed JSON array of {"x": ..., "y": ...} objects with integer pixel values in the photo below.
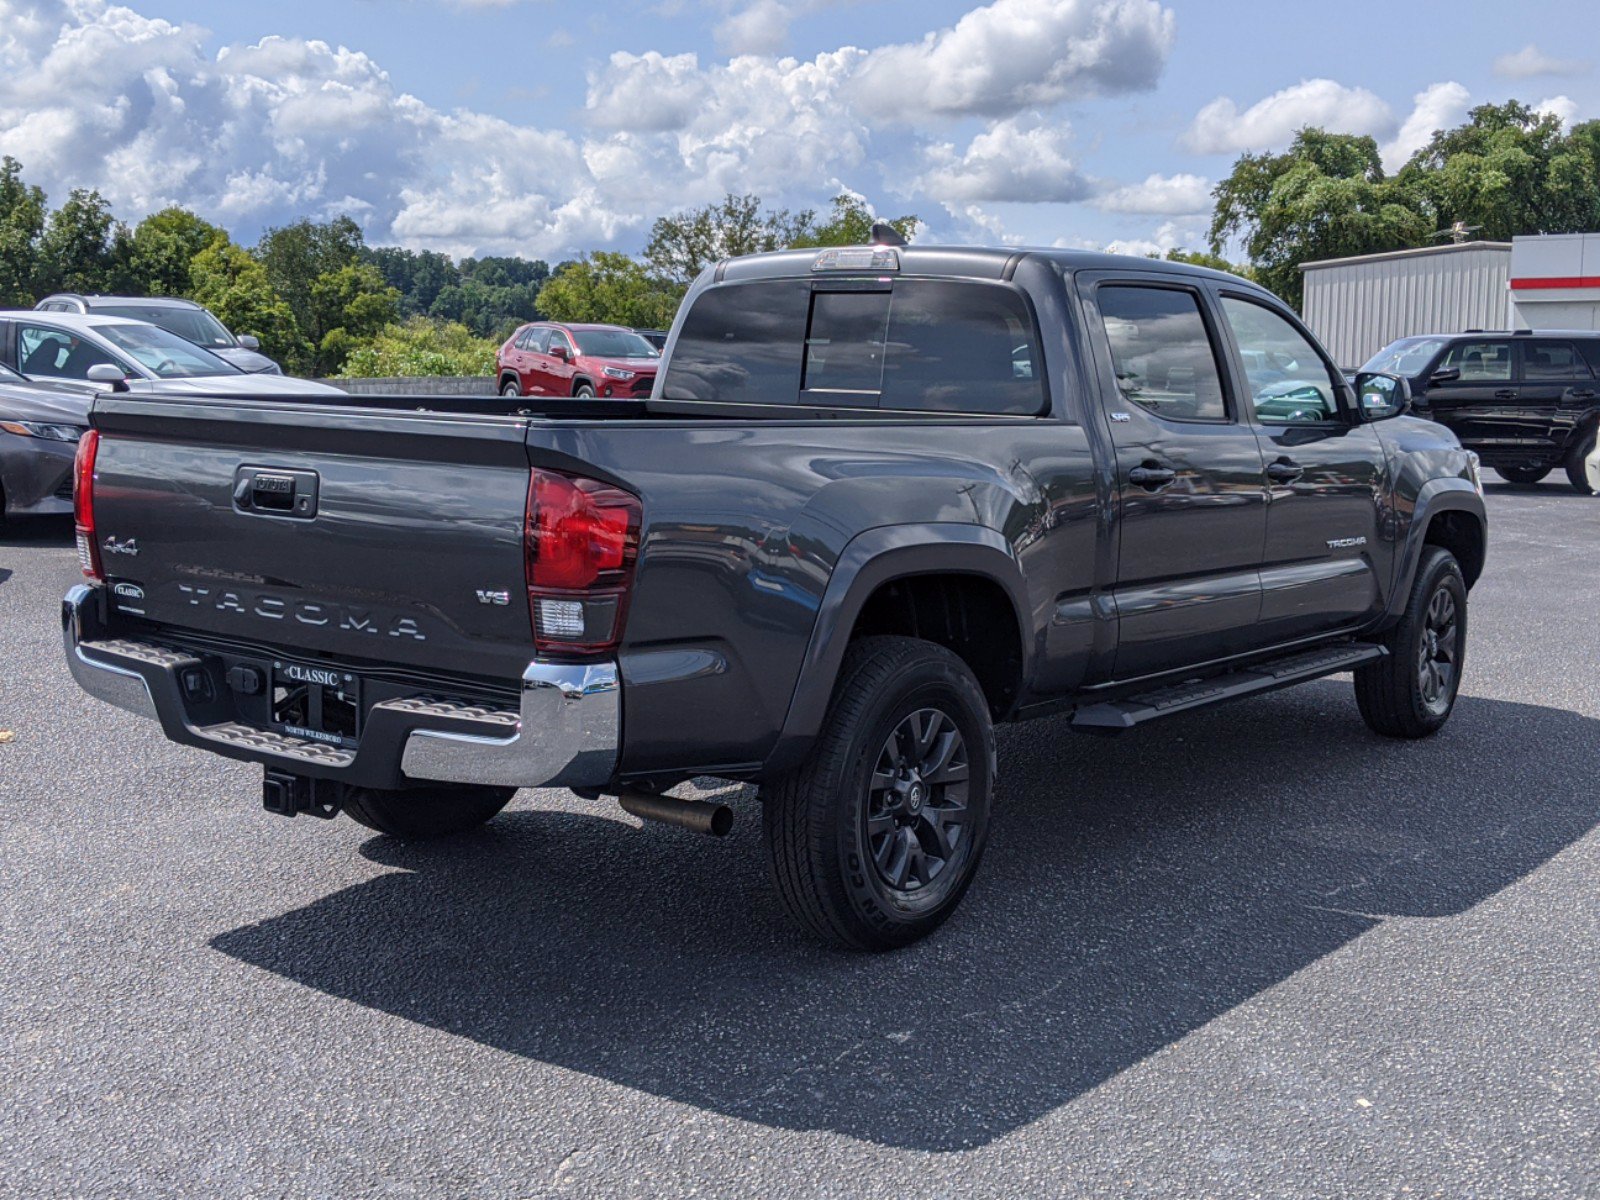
[{"x": 545, "y": 359}]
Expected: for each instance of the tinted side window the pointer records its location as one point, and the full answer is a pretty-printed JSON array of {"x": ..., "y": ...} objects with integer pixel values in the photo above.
[
  {"x": 741, "y": 344},
  {"x": 961, "y": 347},
  {"x": 1164, "y": 358},
  {"x": 1479, "y": 362},
  {"x": 1288, "y": 380},
  {"x": 1553, "y": 360}
]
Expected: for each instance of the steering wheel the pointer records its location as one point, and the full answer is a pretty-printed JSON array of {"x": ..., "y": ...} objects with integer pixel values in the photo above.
[{"x": 160, "y": 367}]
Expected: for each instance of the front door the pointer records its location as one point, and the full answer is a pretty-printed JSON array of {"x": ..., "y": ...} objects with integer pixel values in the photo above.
[
  {"x": 1475, "y": 395},
  {"x": 1326, "y": 565},
  {"x": 1192, "y": 508}
]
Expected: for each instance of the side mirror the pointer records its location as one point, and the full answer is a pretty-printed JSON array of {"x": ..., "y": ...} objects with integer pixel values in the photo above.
[
  {"x": 1445, "y": 375},
  {"x": 249, "y": 341},
  {"x": 109, "y": 373},
  {"x": 559, "y": 352},
  {"x": 1380, "y": 395}
]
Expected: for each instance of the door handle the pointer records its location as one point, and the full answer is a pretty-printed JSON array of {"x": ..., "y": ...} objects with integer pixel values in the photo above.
[
  {"x": 1585, "y": 394},
  {"x": 1506, "y": 394},
  {"x": 1151, "y": 475},
  {"x": 1284, "y": 471}
]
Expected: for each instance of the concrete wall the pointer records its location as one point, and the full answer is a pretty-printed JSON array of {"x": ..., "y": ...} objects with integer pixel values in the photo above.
[
  {"x": 418, "y": 385},
  {"x": 1357, "y": 306}
]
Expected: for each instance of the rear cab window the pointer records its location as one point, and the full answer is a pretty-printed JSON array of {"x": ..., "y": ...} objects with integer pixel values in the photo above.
[{"x": 913, "y": 344}]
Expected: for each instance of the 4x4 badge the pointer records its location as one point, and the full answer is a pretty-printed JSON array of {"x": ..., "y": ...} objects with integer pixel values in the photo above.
[{"x": 129, "y": 547}]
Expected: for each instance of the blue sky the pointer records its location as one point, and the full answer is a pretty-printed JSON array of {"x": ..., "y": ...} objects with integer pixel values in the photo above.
[{"x": 545, "y": 127}]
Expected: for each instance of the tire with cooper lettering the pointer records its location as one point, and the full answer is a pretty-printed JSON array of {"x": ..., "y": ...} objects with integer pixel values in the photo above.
[{"x": 873, "y": 840}]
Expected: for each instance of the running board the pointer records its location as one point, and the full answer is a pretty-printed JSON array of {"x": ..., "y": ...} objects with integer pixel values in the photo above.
[{"x": 1114, "y": 716}]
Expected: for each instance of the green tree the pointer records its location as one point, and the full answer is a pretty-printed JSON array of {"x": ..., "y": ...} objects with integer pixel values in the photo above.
[
  {"x": 682, "y": 246},
  {"x": 348, "y": 308},
  {"x": 234, "y": 285},
  {"x": 1325, "y": 197},
  {"x": 849, "y": 224},
  {"x": 422, "y": 347},
  {"x": 1202, "y": 258},
  {"x": 75, "y": 251},
  {"x": 297, "y": 255},
  {"x": 161, "y": 251},
  {"x": 1509, "y": 170},
  {"x": 22, "y": 216},
  {"x": 610, "y": 288}
]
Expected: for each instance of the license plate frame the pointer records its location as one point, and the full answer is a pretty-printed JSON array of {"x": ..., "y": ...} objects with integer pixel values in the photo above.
[{"x": 316, "y": 702}]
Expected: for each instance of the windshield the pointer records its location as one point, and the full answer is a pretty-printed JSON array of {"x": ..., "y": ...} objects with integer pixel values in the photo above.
[
  {"x": 191, "y": 324},
  {"x": 613, "y": 343},
  {"x": 1406, "y": 357},
  {"x": 166, "y": 354}
]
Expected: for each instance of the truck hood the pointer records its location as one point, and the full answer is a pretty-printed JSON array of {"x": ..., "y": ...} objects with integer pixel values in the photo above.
[{"x": 246, "y": 360}]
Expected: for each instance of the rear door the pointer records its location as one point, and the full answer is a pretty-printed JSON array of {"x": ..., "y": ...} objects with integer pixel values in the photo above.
[
  {"x": 1325, "y": 566},
  {"x": 1480, "y": 403},
  {"x": 1191, "y": 503},
  {"x": 1556, "y": 392}
]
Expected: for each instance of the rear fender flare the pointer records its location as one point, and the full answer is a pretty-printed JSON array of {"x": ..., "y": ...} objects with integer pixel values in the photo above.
[{"x": 868, "y": 561}]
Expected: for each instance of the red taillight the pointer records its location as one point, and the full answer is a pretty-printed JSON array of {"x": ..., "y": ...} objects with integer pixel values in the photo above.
[
  {"x": 83, "y": 504},
  {"x": 581, "y": 540}
]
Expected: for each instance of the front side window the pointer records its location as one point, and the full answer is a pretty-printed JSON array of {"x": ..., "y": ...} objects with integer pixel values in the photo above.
[
  {"x": 1559, "y": 361},
  {"x": 166, "y": 355},
  {"x": 1479, "y": 362},
  {"x": 57, "y": 353},
  {"x": 1289, "y": 381},
  {"x": 1163, "y": 356},
  {"x": 558, "y": 341}
]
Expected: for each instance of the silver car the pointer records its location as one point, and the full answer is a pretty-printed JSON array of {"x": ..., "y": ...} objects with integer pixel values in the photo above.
[
  {"x": 90, "y": 351},
  {"x": 40, "y": 425},
  {"x": 188, "y": 320}
]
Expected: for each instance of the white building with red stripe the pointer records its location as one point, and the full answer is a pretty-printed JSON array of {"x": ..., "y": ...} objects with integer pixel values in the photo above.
[{"x": 1555, "y": 281}]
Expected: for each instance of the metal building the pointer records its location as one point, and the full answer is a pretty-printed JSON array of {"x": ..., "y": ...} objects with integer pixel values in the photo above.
[{"x": 1357, "y": 306}]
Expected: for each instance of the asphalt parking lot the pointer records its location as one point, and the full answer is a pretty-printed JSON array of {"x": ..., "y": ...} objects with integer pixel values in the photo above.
[{"x": 1260, "y": 952}]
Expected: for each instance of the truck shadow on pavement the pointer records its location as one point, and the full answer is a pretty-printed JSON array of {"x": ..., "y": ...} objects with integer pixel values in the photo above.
[{"x": 1133, "y": 890}]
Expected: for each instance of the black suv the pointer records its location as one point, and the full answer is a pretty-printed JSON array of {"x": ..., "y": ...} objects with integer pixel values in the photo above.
[{"x": 1527, "y": 402}]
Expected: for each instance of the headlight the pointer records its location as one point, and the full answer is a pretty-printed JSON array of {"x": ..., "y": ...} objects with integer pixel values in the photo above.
[
  {"x": 53, "y": 433},
  {"x": 1472, "y": 470},
  {"x": 617, "y": 372}
]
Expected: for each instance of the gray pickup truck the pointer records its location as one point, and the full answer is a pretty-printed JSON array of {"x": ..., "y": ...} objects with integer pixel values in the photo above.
[{"x": 881, "y": 499}]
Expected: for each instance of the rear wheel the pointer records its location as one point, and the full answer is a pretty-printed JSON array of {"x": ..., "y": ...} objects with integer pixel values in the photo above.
[
  {"x": 584, "y": 391},
  {"x": 1583, "y": 464},
  {"x": 1523, "y": 474},
  {"x": 874, "y": 839},
  {"x": 1411, "y": 692},
  {"x": 511, "y": 388},
  {"x": 422, "y": 814}
]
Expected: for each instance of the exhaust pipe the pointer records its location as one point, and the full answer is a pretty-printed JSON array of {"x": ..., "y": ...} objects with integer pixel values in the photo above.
[{"x": 696, "y": 815}]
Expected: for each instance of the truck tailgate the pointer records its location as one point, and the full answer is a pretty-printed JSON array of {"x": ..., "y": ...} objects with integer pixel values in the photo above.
[{"x": 389, "y": 536}]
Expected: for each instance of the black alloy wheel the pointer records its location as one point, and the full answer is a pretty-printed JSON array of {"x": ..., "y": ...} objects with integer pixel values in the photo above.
[
  {"x": 916, "y": 812},
  {"x": 1436, "y": 651}
]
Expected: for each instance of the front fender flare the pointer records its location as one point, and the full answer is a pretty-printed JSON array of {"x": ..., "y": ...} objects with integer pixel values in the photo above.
[
  {"x": 868, "y": 561},
  {"x": 1450, "y": 494}
]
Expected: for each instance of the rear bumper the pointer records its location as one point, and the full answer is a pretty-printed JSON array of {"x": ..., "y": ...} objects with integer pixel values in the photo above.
[{"x": 565, "y": 732}]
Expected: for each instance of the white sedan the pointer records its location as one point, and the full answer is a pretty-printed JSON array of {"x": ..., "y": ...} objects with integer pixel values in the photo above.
[{"x": 94, "y": 351}]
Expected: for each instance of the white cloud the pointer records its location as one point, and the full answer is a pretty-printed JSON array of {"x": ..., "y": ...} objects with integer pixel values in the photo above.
[
  {"x": 1023, "y": 161},
  {"x": 1563, "y": 108},
  {"x": 1530, "y": 62},
  {"x": 97, "y": 95},
  {"x": 1016, "y": 54},
  {"x": 1440, "y": 106},
  {"x": 1170, "y": 235},
  {"x": 760, "y": 27},
  {"x": 1220, "y": 128},
  {"x": 1166, "y": 195}
]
